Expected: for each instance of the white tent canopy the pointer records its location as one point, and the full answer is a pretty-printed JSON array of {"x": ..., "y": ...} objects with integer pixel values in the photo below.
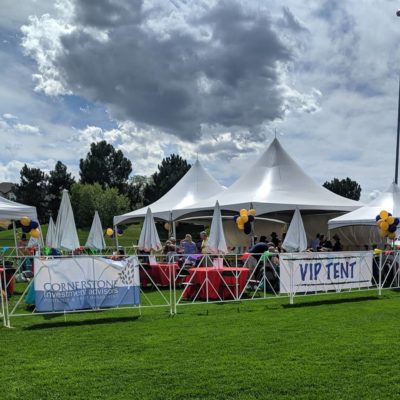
[
  {"x": 295, "y": 239},
  {"x": 216, "y": 241},
  {"x": 14, "y": 211},
  {"x": 275, "y": 183},
  {"x": 194, "y": 186},
  {"x": 359, "y": 227},
  {"x": 95, "y": 239},
  {"x": 66, "y": 234}
]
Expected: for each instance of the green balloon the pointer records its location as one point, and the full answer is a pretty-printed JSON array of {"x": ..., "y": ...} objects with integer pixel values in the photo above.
[{"x": 265, "y": 255}]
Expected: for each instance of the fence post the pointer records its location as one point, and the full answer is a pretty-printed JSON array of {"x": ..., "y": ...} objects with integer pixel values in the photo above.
[
  {"x": 291, "y": 292},
  {"x": 380, "y": 275}
]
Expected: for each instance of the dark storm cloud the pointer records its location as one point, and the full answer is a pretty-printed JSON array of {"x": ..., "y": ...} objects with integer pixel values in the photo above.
[{"x": 228, "y": 76}]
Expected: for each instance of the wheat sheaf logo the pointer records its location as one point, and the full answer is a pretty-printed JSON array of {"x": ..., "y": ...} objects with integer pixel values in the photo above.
[{"x": 127, "y": 275}]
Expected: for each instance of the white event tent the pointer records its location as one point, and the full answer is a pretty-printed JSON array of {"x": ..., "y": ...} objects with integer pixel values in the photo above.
[
  {"x": 358, "y": 227},
  {"x": 10, "y": 210},
  {"x": 275, "y": 186},
  {"x": 196, "y": 185}
]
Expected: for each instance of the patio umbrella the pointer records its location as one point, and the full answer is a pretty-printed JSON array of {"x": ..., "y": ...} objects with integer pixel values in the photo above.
[
  {"x": 95, "y": 239},
  {"x": 216, "y": 240},
  {"x": 66, "y": 234},
  {"x": 296, "y": 239},
  {"x": 149, "y": 239},
  {"x": 51, "y": 234}
]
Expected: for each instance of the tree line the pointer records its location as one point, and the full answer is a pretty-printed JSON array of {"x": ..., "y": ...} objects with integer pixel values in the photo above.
[{"x": 104, "y": 185}]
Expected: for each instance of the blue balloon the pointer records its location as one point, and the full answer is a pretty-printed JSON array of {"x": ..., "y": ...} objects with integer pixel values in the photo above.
[
  {"x": 392, "y": 228},
  {"x": 390, "y": 214},
  {"x": 251, "y": 218},
  {"x": 33, "y": 225},
  {"x": 120, "y": 231},
  {"x": 26, "y": 229},
  {"x": 247, "y": 228},
  {"x": 235, "y": 217},
  {"x": 396, "y": 221},
  {"x": 377, "y": 218}
]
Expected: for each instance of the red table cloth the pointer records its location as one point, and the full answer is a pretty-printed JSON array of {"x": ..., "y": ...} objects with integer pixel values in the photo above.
[
  {"x": 9, "y": 279},
  {"x": 159, "y": 273},
  {"x": 215, "y": 283}
]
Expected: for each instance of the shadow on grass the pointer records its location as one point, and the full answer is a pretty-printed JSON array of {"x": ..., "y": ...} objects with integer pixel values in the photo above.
[
  {"x": 311, "y": 303},
  {"x": 63, "y": 324}
]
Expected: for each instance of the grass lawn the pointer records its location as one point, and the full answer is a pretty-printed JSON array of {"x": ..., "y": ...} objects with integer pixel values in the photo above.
[{"x": 336, "y": 347}]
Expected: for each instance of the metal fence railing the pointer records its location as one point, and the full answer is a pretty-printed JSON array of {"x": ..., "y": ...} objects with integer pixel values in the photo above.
[{"x": 40, "y": 284}]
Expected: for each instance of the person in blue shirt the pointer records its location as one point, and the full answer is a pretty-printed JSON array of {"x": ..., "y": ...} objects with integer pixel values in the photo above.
[{"x": 188, "y": 246}]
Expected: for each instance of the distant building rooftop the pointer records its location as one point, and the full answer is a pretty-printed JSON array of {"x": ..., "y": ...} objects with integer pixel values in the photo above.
[{"x": 6, "y": 190}]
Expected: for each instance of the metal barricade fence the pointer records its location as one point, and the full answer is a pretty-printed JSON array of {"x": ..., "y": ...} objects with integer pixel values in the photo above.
[{"x": 179, "y": 280}]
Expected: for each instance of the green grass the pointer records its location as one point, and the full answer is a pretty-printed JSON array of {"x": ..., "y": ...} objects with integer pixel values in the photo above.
[{"x": 327, "y": 347}]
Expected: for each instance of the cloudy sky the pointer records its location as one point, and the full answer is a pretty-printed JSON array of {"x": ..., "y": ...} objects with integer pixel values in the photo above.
[{"x": 212, "y": 78}]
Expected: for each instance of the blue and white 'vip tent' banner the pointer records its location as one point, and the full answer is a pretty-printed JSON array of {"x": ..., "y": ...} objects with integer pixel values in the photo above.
[
  {"x": 77, "y": 283},
  {"x": 315, "y": 272}
]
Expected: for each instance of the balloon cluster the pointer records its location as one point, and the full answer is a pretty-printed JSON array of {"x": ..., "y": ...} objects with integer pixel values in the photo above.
[
  {"x": 31, "y": 227},
  {"x": 387, "y": 224},
  {"x": 244, "y": 219},
  {"x": 110, "y": 232}
]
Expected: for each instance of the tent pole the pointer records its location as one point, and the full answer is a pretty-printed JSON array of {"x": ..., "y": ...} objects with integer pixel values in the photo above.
[
  {"x": 116, "y": 236},
  {"x": 15, "y": 239},
  {"x": 174, "y": 229},
  {"x": 396, "y": 171}
]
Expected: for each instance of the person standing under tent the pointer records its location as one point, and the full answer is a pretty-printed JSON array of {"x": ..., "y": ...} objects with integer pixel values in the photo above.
[
  {"x": 316, "y": 242},
  {"x": 204, "y": 242}
]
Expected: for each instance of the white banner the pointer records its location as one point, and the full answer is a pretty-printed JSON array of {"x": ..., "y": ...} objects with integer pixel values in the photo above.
[
  {"x": 315, "y": 272},
  {"x": 76, "y": 283}
]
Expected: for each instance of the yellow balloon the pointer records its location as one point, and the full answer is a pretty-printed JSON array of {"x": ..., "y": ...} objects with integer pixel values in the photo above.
[
  {"x": 35, "y": 233},
  {"x": 383, "y": 233},
  {"x": 243, "y": 212},
  {"x": 383, "y": 214},
  {"x": 390, "y": 220},
  {"x": 379, "y": 222},
  {"x": 239, "y": 221},
  {"x": 167, "y": 226},
  {"x": 392, "y": 235},
  {"x": 25, "y": 221},
  {"x": 377, "y": 251},
  {"x": 240, "y": 226},
  {"x": 252, "y": 211},
  {"x": 109, "y": 231},
  {"x": 384, "y": 226},
  {"x": 245, "y": 218}
]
